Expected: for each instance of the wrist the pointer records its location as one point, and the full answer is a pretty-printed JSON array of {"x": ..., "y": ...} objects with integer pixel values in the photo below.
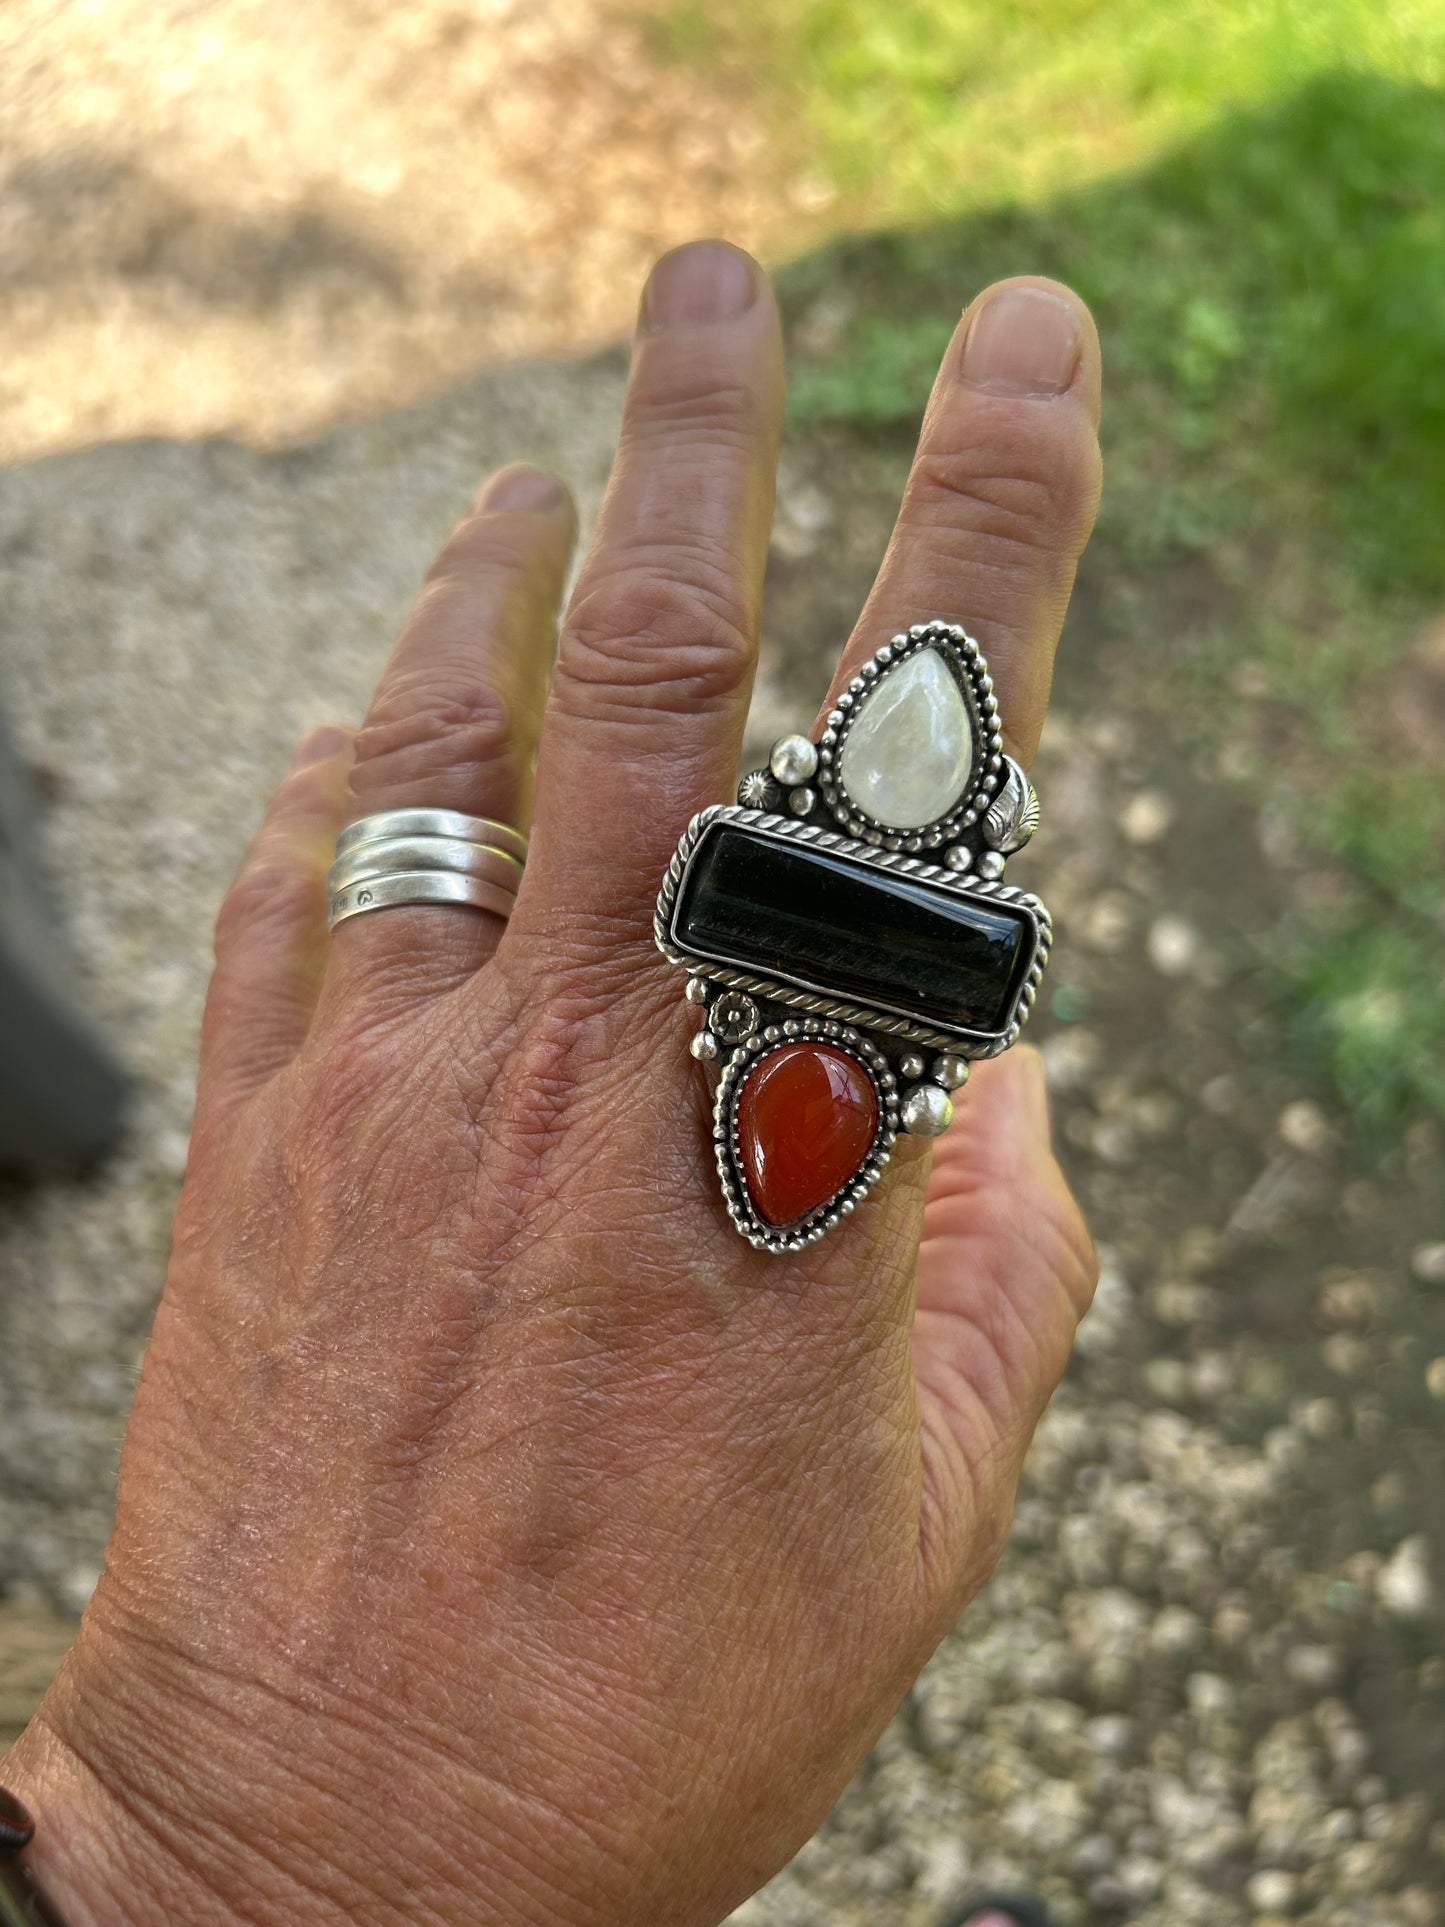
[
  {"x": 161, "y": 1798},
  {"x": 93, "y": 1856}
]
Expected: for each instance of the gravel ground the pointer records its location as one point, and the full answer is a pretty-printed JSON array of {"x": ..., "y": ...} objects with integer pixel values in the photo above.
[
  {"x": 1193, "y": 1692},
  {"x": 1207, "y": 1684}
]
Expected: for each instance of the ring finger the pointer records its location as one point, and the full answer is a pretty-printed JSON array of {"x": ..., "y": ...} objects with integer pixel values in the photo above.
[{"x": 453, "y": 724}]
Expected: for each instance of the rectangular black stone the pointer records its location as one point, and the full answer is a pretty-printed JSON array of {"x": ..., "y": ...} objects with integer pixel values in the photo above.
[{"x": 831, "y": 923}]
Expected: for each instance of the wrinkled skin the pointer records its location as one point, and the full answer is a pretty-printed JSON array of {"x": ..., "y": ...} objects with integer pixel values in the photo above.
[{"x": 500, "y": 1538}]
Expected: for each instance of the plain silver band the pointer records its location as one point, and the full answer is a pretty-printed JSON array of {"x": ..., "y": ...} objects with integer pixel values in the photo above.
[
  {"x": 389, "y": 855},
  {"x": 419, "y": 886},
  {"x": 449, "y": 823}
]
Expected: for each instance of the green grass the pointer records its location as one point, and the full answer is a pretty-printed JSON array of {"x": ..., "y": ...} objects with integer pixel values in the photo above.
[
  {"x": 1252, "y": 199},
  {"x": 915, "y": 108},
  {"x": 1272, "y": 301}
]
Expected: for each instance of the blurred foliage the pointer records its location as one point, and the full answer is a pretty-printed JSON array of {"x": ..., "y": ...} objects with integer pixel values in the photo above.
[
  {"x": 915, "y": 108},
  {"x": 1251, "y": 196},
  {"x": 1273, "y": 294}
]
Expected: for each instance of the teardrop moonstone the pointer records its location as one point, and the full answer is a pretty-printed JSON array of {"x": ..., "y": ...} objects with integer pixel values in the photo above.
[
  {"x": 908, "y": 754},
  {"x": 806, "y": 1119}
]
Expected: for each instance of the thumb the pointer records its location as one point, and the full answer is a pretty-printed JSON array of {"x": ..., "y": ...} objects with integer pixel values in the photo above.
[{"x": 1005, "y": 1272}]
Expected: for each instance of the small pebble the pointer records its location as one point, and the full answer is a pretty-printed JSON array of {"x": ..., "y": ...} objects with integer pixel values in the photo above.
[
  {"x": 1220, "y": 1096},
  {"x": 1351, "y": 1298},
  {"x": 1319, "y": 1418},
  {"x": 1304, "y": 1127},
  {"x": 1094, "y": 1855},
  {"x": 1146, "y": 816},
  {"x": 1273, "y": 1890},
  {"x": 1139, "y": 1877},
  {"x": 1403, "y": 1585},
  {"x": 1389, "y": 1492},
  {"x": 1173, "y": 947},
  {"x": 1427, "y": 1262},
  {"x": 1435, "y": 1377},
  {"x": 1418, "y": 1907},
  {"x": 1346, "y": 1355},
  {"x": 1111, "y": 1734},
  {"x": 1176, "y": 1630},
  {"x": 1317, "y": 1667},
  {"x": 1107, "y": 923},
  {"x": 1210, "y": 1696},
  {"x": 1071, "y": 1057}
]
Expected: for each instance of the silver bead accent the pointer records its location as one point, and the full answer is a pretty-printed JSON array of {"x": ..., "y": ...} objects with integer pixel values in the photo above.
[
  {"x": 704, "y": 1047},
  {"x": 912, "y": 1066},
  {"x": 951, "y": 1072},
  {"x": 696, "y": 992},
  {"x": 959, "y": 858},
  {"x": 802, "y": 801},
  {"x": 990, "y": 865},
  {"x": 794, "y": 760},
  {"x": 927, "y": 1111}
]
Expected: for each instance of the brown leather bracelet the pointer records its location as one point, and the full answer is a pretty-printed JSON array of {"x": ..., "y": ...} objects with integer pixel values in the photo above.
[{"x": 21, "y": 1902}]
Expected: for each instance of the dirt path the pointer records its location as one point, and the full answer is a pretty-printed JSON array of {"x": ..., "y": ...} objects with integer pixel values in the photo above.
[{"x": 252, "y": 218}]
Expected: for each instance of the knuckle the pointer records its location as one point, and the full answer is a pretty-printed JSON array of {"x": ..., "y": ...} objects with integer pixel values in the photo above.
[
  {"x": 665, "y": 632},
  {"x": 1029, "y": 501},
  {"x": 430, "y": 726},
  {"x": 482, "y": 550},
  {"x": 272, "y": 890},
  {"x": 706, "y": 414}
]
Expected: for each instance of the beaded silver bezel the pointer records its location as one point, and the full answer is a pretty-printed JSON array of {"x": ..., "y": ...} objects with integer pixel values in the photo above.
[
  {"x": 809, "y": 1229},
  {"x": 816, "y": 999},
  {"x": 965, "y": 662}
]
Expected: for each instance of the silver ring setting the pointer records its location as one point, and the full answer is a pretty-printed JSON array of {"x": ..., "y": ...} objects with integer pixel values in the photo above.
[
  {"x": 849, "y": 940},
  {"x": 448, "y": 823},
  {"x": 386, "y": 856},
  {"x": 398, "y": 857}
]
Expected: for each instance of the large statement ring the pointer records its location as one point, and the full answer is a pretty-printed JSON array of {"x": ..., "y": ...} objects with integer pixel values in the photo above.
[
  {"x": 424, "y": 856},
  {"x": 848, "y": 937}
]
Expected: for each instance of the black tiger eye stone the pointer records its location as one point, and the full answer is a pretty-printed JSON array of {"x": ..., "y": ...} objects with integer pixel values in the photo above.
[{"x": 832, "y": 923}]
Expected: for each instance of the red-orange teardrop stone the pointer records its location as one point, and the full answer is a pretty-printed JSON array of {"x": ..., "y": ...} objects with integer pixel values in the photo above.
[{"x": 806, "y": 1118}]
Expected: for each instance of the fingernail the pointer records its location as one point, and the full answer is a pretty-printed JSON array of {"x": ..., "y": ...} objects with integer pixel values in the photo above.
[
  {"x": 1022, "y": 341},
  {"x": 704, "y": 281},
  {"x": 320, "y": 745},
  {"x": 521, "y": 487}
]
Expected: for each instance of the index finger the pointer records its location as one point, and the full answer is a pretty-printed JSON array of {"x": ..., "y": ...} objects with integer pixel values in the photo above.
[{"x": 1002, "y": 495}]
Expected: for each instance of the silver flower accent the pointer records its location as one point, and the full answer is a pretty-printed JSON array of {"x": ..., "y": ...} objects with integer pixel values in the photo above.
[
  {"x": 1013, "y": 816},
  {"x": 758, "y": 791},
  {"x": 734, "y": 1016}
]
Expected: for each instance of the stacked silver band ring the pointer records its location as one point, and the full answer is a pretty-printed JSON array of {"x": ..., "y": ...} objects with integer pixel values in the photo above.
[{"x": 424, "y": 856}]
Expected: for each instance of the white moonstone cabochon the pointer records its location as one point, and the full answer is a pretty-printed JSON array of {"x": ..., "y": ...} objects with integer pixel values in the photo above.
[{"x": 906, "y": 759}]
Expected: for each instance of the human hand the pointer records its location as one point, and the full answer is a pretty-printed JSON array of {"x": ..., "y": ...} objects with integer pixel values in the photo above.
[{"x": 499, "y": 1536}]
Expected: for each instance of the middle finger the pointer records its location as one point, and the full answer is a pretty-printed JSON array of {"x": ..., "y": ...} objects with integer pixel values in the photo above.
[{"x": 656, "y": 658}]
